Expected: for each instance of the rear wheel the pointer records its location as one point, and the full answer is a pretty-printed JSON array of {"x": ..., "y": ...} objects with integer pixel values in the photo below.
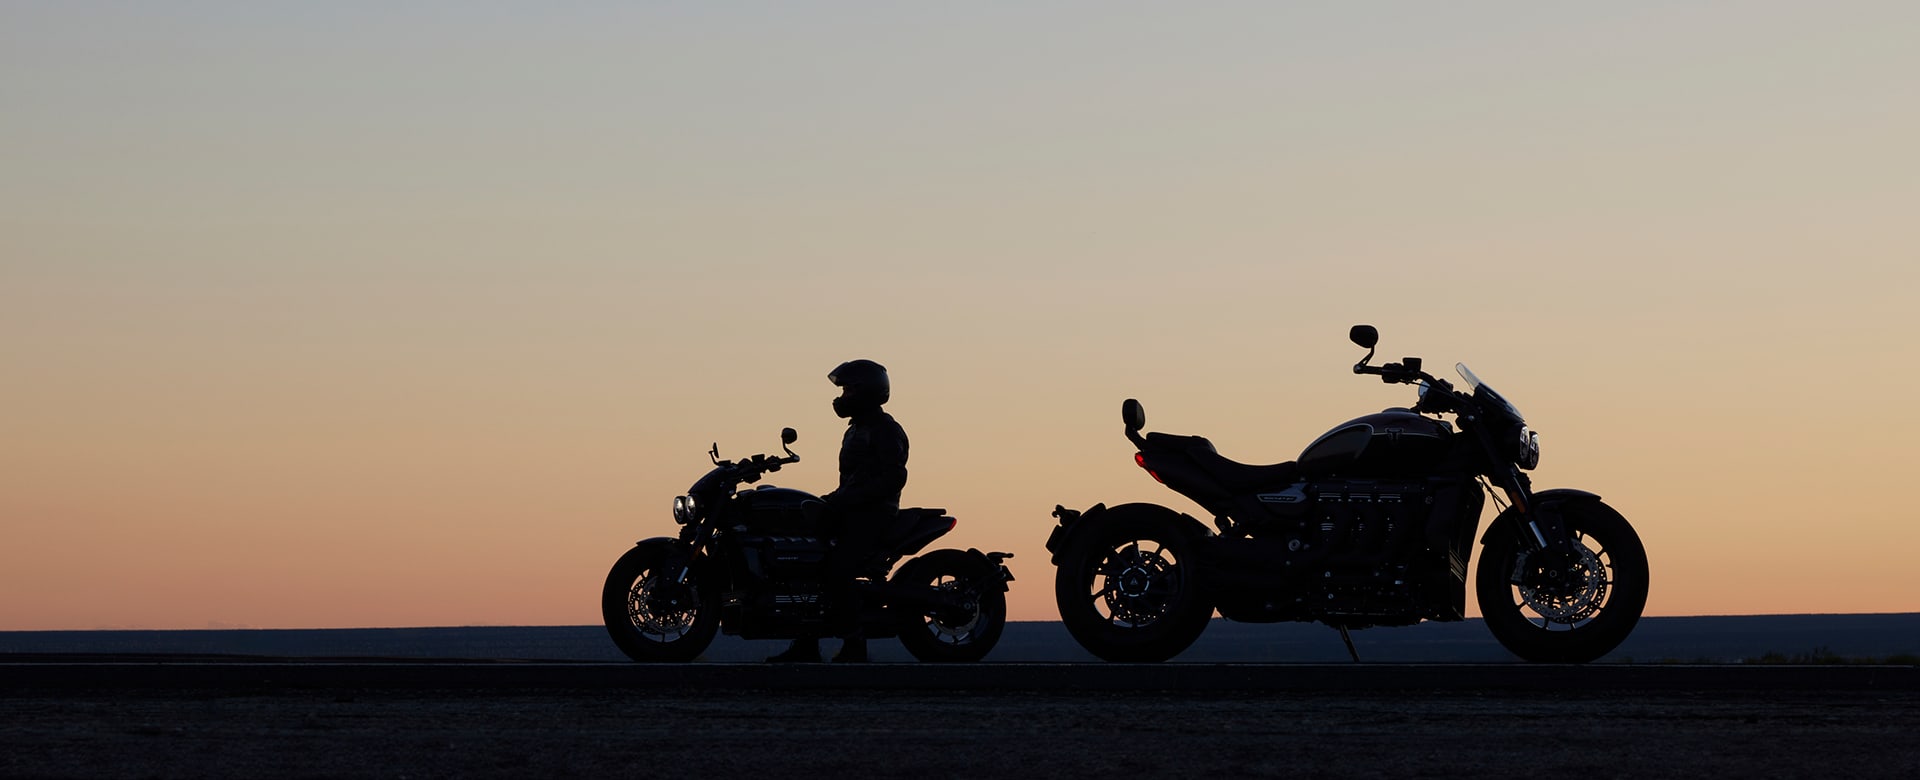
[
  {"x": 1565, "y": 608},
  {"x": 959, "y": 634},
  {"x": 651, "y": 615},
  {"x": 1127, "y": 589}
]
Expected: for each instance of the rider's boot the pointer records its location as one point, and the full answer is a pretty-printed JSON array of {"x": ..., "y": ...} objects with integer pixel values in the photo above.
[
  {"x": 853, "y": 649},
  {"x": 802, "y": 651},
  {"x": 850, "y": 596}
]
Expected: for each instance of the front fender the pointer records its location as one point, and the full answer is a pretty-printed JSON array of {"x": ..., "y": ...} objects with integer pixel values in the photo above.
[
  {"x": 1074, "y": 522},
  {"x": 1549, "y": 501},
  {"x": 661, "y": 542},
  {"x": 702, "y": 565}
]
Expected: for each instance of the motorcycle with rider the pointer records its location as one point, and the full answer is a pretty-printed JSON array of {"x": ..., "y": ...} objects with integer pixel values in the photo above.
[{"x": 779, "y": 563}]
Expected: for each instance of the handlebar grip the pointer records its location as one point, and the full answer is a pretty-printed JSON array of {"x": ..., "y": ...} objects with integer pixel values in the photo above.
[{"x": 1395, "y": 372}]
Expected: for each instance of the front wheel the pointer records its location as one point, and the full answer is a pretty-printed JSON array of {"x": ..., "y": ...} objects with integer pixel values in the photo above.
[
  {"x": 1128, "y": 590},
  {"x": 1565, "y": 609},
  {"x": 653, "y": 616},
  {"x": 962, "y": 633}
]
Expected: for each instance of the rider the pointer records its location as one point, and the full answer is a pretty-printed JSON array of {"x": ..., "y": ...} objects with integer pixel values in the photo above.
[{"x": 873, "y": 470}]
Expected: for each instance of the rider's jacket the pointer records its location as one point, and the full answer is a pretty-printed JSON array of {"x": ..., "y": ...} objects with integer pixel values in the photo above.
[{"x": 873, "y": 464}]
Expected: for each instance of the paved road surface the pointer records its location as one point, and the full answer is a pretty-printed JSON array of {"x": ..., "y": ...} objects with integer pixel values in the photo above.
[{"x": 1596, "y": 730}]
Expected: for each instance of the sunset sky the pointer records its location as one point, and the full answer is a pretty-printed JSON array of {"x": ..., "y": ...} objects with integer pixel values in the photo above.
[{"x": 374, "y": 314}]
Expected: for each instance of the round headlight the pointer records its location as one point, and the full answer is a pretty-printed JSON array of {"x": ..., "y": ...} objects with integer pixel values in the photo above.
[
  {"x": 1529, "y": 449},
  {"x": 683, "y": 509}
]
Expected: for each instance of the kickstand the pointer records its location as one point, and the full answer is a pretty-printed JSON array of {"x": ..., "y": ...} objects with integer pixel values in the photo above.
[{"x": 1344, "y": 637}]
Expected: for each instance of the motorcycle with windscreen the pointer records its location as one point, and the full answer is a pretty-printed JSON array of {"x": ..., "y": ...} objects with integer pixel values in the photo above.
[
  {"x": 1373, "y": 525},
  {"x": 754, "y": 563}
]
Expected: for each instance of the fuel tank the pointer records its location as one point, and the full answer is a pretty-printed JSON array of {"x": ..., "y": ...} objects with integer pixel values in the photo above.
[
  {"x": 778, "y": 511},
  {"x": 778, "y": 535},
  {"x": 1393, "y": 443}
]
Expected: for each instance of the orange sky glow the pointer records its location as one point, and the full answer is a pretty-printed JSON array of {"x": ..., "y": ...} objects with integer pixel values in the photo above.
[{"x": 345, "y": 315}]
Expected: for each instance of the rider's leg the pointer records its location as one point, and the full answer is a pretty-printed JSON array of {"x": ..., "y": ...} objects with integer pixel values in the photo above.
[{"x": 853, "y": 552}]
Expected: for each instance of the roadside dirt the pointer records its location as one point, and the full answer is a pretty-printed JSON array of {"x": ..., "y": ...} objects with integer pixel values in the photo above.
[{"x": 472, "y": 733}]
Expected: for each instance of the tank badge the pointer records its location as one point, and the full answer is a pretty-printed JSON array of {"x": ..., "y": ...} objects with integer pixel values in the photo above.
[{"x": 1292, "y": 495}]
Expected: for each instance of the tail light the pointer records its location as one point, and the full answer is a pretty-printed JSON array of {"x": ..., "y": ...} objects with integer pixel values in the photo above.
[{"x": 1140, "y": 458}]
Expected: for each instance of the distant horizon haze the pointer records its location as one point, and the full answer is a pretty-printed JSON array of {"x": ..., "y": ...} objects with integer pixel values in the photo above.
[
  {"x": 361, "y": 314},
  {"x": 215, "y": 626}
]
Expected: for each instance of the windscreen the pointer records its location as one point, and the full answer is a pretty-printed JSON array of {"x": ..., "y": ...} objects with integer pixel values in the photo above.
[
  {"x": 1481, "y": 388},
  {"x": 1473, "y": 382}
]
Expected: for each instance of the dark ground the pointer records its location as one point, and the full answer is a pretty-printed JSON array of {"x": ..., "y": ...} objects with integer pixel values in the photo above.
[
  {"x": 1602, "y": 725},
  {"x": 626, "y": 733}
]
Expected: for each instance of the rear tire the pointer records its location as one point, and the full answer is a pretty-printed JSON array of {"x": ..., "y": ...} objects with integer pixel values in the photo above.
[
  {"x": 1578, "y": 616},
  {"x": 960, "y": 636},
  {"x": 1128, "y": 590},
  {"x": 653, "y": 619}
]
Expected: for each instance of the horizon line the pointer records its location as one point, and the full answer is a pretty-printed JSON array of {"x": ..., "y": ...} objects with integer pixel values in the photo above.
[{"x": 1009, "y": 622}]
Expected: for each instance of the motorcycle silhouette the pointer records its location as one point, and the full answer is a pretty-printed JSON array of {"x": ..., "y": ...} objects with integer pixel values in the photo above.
[
  {"x": 1373, "y": 525},
  {"x": 753, "y": 563}
]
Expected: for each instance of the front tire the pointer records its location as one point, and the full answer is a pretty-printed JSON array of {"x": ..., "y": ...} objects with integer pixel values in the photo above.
[
  {"x": 1570, "y": 611},
  {"x": 1128, "y": 590},
  {"x": 961, "y": 635},
  {"x": 652, "y": 618}
]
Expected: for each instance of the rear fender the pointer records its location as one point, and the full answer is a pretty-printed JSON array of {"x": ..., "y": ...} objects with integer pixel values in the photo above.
[
  {"x": 986, "y": 567},
  {"x": 1074, "y": 522},
  {"x": 992, "y": 566}
]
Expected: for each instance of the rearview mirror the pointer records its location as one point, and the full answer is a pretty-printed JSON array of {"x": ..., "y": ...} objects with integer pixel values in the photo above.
[
  {"x": 1364, "y": 335},
  {"x": 1133, "y": 415},
  {"x": 788, "y": 436}
]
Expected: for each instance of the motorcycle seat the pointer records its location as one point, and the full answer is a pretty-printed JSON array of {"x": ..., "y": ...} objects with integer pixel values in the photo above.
[
  {"x": 1232, "y": 475},
  {"x": 1237, "y": 476},
  {"x": 913, "y": 529}
]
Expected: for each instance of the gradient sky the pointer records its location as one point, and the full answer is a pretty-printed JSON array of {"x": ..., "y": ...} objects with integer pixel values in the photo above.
[{"x": 375, "y": 314}]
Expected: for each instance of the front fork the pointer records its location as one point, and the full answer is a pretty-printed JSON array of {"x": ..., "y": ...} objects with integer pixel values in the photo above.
[
  {"x": 679, "y": 564},
  {"x": 1544, "y": 530}
]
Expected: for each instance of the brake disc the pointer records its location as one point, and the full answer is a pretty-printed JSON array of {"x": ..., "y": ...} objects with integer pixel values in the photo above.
[{"x": 1572, "y": 600}]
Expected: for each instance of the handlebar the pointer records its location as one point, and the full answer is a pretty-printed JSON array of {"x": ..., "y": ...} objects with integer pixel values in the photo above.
[
  {"x": 1394, "y": 373},
  {"x": 751, "y": 469},
  {"x": 1408, "y": 371},
  {"x": 1440, "y": 396}
]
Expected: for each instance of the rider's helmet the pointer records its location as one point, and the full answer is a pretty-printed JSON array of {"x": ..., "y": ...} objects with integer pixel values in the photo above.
[{"x": 863, "y": 387}]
